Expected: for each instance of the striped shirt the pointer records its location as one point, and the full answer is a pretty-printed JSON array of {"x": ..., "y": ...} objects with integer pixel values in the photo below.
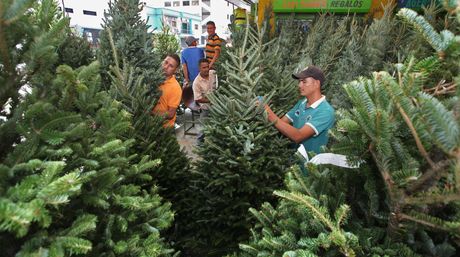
[{"x": 213, "y": 43}]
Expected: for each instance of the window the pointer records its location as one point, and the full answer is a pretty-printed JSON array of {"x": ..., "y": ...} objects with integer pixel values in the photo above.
[
  {"x": 69, "y": 10},
  {"x": 185, "y": 3},
  {"x": 167, "y": 4},
  {"x": 196, "y": 26},
  {"x": 228, "y": 17},
  {"x": 174, "y": 23},
  {"x": 176, "y": 3},
  {"x": 184, "y": 29},
  {"x": 195, "y": 2},
  {"x": 86, "y": 12}
]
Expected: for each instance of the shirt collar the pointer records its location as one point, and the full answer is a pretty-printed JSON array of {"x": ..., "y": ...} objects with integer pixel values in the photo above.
[
  {"x": 316, "y": 103},
  {"x": 202, "y": 78}
]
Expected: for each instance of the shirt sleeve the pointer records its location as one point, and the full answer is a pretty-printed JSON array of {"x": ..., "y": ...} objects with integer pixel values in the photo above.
[
  {"x": 321, "y": 121},
  {"x": 197, "y": 94}
]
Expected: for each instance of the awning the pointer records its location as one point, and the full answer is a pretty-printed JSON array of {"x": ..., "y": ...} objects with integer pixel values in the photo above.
[{"x": 241, "y": 3}]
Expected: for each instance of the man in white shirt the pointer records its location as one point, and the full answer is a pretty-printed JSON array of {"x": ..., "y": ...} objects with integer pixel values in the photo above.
[{"x": 203, "y": 85}]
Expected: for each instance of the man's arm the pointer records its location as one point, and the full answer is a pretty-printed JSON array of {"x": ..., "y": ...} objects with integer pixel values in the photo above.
[
  {"x": 284, "y": 126},
  {"x": 203, "y": 99},
  {"x": 214, "y": 58},
  {"x": 185, "y": 69},
  {"x": 170, "y": 113}
]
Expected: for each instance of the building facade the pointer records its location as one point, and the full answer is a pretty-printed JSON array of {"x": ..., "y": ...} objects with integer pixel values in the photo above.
[
  {"x": 182, "y": 24},
  {"x": 184, "y": 17},
  {"x": 219, "y": 11},
  {"x": 85, "y": 16}
]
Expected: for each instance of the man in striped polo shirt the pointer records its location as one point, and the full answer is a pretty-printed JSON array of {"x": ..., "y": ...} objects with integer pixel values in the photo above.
[{"x": 213, "y": 44}]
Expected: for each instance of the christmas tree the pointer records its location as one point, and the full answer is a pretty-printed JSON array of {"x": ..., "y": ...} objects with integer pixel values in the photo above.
[
  {"x": 135, "y": 72},
  {"x": 27, "y": 38},
  {"x": 243, "y": 156},
  {"x": 165, "y": 43},
  {"x": 75, "y": 51},
  {"x": 132, "y": 41},
  {"x": 70, "y": 184}
]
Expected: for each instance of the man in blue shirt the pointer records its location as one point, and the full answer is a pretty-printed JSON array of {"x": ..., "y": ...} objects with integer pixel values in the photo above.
[
  {"x": 309, "y": 121},
  {"x": 190, "y": 58}
]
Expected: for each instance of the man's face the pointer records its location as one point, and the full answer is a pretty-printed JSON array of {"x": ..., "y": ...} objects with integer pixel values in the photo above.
[
  {"x": 309, "y": 85},
  {"x": 211, "y": 29},
  {"x": 169, "y": 66},
  {"x": 204, "y": 69}
]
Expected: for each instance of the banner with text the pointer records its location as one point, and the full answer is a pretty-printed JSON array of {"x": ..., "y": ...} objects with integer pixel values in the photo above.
[{"x": 311, "y": 6}]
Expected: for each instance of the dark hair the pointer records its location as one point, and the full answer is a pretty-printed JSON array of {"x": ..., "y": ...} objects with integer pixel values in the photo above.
[
  {"x": 175, "y": 57},
  {"x": 204, "y": 60},
  {"x": 210, "y": 23}
]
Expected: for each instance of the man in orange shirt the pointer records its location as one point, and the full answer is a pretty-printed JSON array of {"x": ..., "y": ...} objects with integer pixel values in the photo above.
[{"x": 171, "y": 91}]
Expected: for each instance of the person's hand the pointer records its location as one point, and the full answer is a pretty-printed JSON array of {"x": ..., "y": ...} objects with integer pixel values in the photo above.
[
  {"x": 186, "y": 83},
  {"x": 260, "y": 99}
]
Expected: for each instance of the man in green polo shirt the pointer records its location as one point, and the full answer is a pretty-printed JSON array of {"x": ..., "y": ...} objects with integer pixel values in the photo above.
[{"x": 309, "y": 121}]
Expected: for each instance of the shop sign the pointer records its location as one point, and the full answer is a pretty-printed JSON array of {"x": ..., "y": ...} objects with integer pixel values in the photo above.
[{"x": 311, "y": 6}]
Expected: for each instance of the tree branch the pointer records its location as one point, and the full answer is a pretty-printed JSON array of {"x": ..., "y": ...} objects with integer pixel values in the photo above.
[
  {"x": 418, "y": 142},
  {"x": 430, "y": 176},
  {"x": 432, "y": 199}
]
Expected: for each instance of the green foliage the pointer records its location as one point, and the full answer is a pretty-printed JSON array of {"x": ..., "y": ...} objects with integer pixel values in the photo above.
[
  {"x": 412, "y": 137},
  {"x": 403, "y": 200},
  {"x": 164, "y": 42},
  {"x": 439, "y": 41},
  {"x": 152, "y": 139},
  {"x": 313, "y": 219},
  {"x": 347, "y": 47},
  {"x": 134, "y": 85},
  {"x": 30, "y": 32},
  {"x": 73, "y": 186},
  {"x": 243, "y": 156},
  {"x": 131, "y": 40},
  {"x": 75, "y": 51},
  {"x": 390, "y": 200}
]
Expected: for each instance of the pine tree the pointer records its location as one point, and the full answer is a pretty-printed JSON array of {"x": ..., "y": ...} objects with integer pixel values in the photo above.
[
  {"x": 134, "y": 84},
  {"x": 164, "y": 43},
  {"x": 377, "y": 40},
  {"x": 243, "y": 156},
  {"x": 30, "y": 32},
  {"x": 72, "y": 186},
  {"x": 132, "y": 41},
  {"x": 75, "y": 51}
]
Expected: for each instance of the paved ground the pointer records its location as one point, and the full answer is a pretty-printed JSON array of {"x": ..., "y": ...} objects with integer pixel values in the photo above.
[{"x": 188, "y": 141}]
